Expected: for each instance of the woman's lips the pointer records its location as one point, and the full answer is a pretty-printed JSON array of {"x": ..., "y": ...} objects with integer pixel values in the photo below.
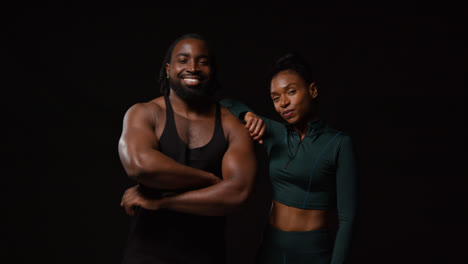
[{"x": 288, "y": 113}]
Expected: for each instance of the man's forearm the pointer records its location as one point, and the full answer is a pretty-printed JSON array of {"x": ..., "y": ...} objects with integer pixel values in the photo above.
[
  {"x": 220, "y": 199},
  {"x": 156, "y": 170}
]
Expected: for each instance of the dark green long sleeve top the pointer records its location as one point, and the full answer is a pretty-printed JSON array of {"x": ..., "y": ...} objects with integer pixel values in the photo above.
[{"x": 319, "y": 172}]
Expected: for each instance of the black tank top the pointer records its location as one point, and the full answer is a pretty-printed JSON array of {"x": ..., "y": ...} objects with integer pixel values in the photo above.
[
  {"x": 166, "y": 236},
  {"x": 207, "y": 157}
]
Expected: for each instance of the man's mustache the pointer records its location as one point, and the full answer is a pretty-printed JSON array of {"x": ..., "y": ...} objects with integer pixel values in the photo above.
[{"x": 199, "y": 76}]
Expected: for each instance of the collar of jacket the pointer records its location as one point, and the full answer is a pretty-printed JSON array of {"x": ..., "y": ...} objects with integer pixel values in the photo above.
[{"x": 313, "y": 127}]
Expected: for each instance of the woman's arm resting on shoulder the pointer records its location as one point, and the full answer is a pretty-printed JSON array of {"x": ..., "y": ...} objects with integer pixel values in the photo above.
[{"x": 253, "y": 123}]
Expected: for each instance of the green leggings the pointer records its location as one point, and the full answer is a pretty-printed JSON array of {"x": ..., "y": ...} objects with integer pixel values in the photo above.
[{"x": 285, "y": 247}]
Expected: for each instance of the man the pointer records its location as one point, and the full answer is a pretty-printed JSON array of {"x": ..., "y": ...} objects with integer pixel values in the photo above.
[{"x": 193, "y": 160}]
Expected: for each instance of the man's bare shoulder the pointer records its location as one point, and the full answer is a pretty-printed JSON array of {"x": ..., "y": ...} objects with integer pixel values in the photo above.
[
  {"x": 151, "y": 110},
  {"x": 158, "y": 102},
  {"x": 155, "y": 106},
  {"x": 231, "y": 124},
  {"x": 229, "y": 118}
]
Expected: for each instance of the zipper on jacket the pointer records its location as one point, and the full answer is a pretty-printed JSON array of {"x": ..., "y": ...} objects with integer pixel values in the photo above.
[{"x": 297, "y": 149}]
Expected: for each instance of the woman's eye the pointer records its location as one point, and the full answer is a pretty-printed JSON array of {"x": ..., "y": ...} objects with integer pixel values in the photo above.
[{"x": 275, "y": 99}]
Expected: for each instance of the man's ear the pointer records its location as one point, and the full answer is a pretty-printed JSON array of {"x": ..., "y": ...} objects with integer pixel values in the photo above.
[
  {"x": 167, "y": 69},
  {"x": 313, "y": 90}
]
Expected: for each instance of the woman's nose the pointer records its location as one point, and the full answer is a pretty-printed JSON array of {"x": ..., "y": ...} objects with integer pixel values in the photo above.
[{"x": 284, "y": 101}]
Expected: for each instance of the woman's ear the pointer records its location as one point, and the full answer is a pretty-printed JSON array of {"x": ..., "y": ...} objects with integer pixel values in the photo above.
[{"x": 313, "y": 90}]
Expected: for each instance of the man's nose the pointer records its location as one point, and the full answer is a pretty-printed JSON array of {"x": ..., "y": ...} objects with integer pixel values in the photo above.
[{"x": 192, "y": 66}]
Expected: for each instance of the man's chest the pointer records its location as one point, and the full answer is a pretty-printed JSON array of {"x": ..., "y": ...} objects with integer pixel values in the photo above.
[{"x": 195, "y": 132}]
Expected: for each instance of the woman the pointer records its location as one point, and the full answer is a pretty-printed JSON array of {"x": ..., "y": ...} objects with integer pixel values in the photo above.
[{"x": 312, "y": 169}]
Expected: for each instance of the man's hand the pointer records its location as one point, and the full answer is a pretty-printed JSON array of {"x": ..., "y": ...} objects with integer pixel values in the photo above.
[
  {"x": 255, "y": 125},
  {"x": 132, "y": 198}
]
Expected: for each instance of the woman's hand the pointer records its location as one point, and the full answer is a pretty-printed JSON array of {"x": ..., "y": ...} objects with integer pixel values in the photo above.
[
  {"x": 255, "y": 125},
  {"x": 132, "y": 198}
]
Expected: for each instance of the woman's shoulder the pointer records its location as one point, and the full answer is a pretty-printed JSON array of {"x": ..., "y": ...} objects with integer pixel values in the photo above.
[{"x": 335, "y": 134}]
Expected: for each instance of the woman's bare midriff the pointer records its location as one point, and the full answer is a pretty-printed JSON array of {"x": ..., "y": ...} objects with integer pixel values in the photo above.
[{"x": 289, "y": 218}]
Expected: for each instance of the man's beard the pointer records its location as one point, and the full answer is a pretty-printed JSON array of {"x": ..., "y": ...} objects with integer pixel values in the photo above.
[{"x": 197, "y": 95}]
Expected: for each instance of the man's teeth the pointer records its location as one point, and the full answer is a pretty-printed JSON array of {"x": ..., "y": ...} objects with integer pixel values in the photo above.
[{"x": 191, "y": 80}]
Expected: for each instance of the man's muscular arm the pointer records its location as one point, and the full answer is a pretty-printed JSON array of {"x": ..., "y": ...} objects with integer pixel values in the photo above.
[
  {"x": 239, "y": 169},
  {"x": 142, "y": 160}
]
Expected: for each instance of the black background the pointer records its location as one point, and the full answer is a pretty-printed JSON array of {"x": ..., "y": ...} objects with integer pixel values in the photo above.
[{"x": 390, "y": 75}]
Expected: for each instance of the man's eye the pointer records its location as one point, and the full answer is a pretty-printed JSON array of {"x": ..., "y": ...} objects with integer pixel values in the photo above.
[
  {"x": 182, "y": 61},
  {"x": 275, "y": 99},
  {"x": 292, "y": 92},
  {"x": 204, "y": 62}
]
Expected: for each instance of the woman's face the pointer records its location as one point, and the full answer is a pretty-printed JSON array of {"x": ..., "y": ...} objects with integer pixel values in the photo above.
[{"x": 292, "y": 97}]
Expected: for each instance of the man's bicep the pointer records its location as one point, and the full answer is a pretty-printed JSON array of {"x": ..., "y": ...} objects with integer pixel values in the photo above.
[
  {"x": 239, "y": 162},
  {"x": 138, "y": 134},
  {"x": 139, "y": 126}
]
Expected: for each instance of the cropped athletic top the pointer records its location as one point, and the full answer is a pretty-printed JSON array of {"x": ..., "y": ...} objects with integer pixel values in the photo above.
[{"x": 319, "y": 172}]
